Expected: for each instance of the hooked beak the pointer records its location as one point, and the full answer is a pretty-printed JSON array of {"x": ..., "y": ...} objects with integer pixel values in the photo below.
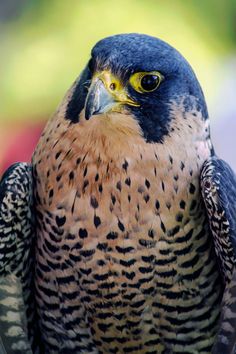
[
  {"x": 106, "y": 94},
  {"x": 99, "y": 100}
]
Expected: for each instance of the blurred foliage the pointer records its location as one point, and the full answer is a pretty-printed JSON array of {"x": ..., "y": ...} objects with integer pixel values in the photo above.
[{"x": 46, "y": 44}]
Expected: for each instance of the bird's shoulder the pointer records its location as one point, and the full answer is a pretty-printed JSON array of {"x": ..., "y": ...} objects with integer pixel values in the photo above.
[
  {"x": 218, "y": 185},
  {"x": 15, "y": 215}
]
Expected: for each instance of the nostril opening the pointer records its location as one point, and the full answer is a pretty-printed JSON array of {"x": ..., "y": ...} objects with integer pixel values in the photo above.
[{"x": 112, "y": 86}]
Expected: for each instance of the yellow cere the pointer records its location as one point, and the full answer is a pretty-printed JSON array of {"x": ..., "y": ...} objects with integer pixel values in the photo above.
[
  {"x": 115, "y": 87},
  {"x": 111, "y": 82},
  {"x": 146, "y": 81}
]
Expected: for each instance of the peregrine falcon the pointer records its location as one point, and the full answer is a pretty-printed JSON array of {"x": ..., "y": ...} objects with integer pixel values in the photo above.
[{"x": 133, "y": 215}]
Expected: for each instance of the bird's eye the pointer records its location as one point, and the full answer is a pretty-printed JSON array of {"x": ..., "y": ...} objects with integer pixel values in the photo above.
[{"x": 146, "y": 81}]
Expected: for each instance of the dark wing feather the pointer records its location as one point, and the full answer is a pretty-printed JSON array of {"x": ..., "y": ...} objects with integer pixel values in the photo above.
[
  {"x": 218, "y": 184},
  {"x": 16, "y": 246}
]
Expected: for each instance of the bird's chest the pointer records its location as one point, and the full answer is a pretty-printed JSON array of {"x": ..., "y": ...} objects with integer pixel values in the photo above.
[
  {"x": 119, "y": 235},
  {"x": 121, "y": 246}
]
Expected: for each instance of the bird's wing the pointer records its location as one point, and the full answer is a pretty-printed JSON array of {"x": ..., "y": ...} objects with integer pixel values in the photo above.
[
  {"x": 16, "y": 247},
  {"x": 218, "y": 185}
]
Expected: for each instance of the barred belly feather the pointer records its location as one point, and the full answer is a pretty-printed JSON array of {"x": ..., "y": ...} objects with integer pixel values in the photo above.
[{"x": 124, "y": 261}]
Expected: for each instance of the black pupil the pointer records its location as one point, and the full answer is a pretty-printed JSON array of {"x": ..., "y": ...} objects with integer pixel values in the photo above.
[{"x": 149, "y": 82}]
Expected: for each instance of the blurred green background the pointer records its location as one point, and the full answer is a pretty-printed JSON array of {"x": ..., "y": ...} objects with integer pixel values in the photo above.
[{"x": 45, "y": 44}]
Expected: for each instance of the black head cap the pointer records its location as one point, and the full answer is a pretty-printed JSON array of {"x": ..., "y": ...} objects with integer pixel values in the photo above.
[{"x": 125, "y": 54}]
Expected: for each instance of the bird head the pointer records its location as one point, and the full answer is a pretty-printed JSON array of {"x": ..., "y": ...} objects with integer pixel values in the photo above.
[{"x": 138, "y": 75}]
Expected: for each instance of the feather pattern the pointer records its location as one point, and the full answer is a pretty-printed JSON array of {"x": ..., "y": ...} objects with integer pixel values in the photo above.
[
  {"x": 16, "y": 260},
  {"x": 218, "y": 183}
]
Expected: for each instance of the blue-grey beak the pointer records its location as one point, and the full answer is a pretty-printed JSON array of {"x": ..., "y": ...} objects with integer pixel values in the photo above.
[{"x": 99, "y": 100}]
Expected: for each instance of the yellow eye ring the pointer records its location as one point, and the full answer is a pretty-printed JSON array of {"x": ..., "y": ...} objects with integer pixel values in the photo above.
[{"x": 146, "y": 81}]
